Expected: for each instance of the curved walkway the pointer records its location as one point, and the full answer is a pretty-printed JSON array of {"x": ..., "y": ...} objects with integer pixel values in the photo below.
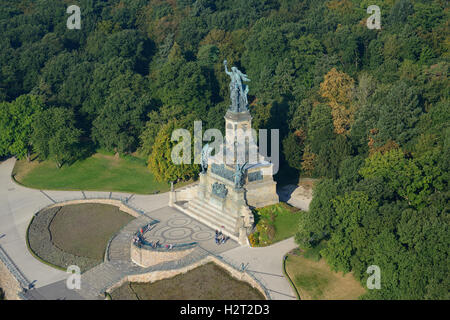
[
  {"x": 18, "y": 204},
  {"x": 266, "y": 263}
]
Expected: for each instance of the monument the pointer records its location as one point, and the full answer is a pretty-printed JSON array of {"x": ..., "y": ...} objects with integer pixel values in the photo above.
[{"x": 238, "y": 177}]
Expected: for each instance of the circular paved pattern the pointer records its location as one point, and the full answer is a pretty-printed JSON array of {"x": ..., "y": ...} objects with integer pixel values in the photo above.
[
  {"x": 203, "y": 235},
  {"x": 177, "y": 233},
  {"x": 155, "y": 238},
  {"x": 158, "y": 231},
  {"x": 178, "y": 222},
  {"x": 179, "y": 229}
]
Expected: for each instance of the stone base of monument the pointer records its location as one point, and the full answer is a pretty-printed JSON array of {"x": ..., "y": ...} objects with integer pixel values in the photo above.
[
  {"x": 261, "y": 193},
  {"x": 236, "y": 176},
  {"x": 226, "y": 212}
]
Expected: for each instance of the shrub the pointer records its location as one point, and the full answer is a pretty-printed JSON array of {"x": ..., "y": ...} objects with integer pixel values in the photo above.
[
  {"x": 254, "y": 239},
  {"x": 270, "y": 232},
  {"x": 273, "y": 216},
  {"x": 313, "y": 253}
]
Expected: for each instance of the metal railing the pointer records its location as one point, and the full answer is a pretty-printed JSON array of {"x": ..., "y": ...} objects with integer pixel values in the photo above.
[
  {"x": 165, "y": 248},
  {"x": 240, "y": 268},
  {"x": 124, "y": 200},
  {"x": 12, "y": 267},
  {"x": 142, "y": 243}
]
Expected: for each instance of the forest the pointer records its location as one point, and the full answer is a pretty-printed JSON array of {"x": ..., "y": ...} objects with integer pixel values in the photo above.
[{"x": 365, "y": 111}]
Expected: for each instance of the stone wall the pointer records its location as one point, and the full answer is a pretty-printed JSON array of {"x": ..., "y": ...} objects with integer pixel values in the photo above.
[
  {"x": 165, "y": 274},
  {"x": 243, "y": 276},
  {"x": 298, "y": 196},
  {"x": 147, "y": 258},
  {"x": 112, "y": 202},
  {"x": 185, "y": 194},
  {"x": 261, "y": 194},
  {"x": 9, "y": 284}
]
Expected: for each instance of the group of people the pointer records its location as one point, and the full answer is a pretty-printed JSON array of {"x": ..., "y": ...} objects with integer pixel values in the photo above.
[
  {"x": 155, "y": 244},
  {"x": 220, "y": 237},
  {"x": 145, "y": 228},
  {"x": 137, "y": 239}
]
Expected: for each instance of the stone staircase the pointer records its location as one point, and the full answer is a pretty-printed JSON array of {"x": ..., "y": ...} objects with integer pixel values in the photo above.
[
  {"x": 94, "y": 281},
  {"x": 97, "y": 280},
  {"x": 212, "y": 217},
  {"x": 118, "y": 265},
  {"x": 117, "y": 262},
  {"x": 119, "y": 247}
]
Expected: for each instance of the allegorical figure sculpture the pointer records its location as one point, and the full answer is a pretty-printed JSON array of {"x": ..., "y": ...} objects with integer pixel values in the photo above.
[
  {"x": 220, "y": 190},
  {"x": 239, "y": 176},
  {"x": 206, "y": 152},
  {"x": 238, "y": 90}
]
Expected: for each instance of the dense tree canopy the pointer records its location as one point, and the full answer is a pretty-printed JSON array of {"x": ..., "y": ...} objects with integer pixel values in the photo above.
[
  {"x": 55, "y": 135},
  {"x": 16, "y": 119},
  {"x": 160, "y": 160}
]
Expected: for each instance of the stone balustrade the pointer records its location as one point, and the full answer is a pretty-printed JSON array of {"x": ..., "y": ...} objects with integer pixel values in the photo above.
[
  {"x": 146, "y": 256},
  {"x": 153, "y": 276}
]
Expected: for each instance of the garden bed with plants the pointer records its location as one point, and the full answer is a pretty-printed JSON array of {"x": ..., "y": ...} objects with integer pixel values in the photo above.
[
  {"x": 74, "y": 234},
  {"x": 207, "y": 282},
  {"x": 274, "y": 223}
]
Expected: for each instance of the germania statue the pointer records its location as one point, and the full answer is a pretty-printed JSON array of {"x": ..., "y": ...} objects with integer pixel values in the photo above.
[{"x": 238, "y": 90}]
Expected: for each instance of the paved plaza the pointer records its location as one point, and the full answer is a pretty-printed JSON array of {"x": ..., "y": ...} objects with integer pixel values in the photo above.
[
  {"x": 18, "y": 205},
  {"x": 175, "y": 227}
]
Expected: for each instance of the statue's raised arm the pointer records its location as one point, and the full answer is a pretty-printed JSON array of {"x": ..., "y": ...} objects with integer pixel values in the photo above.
[
  {"x": 238, "y": 90},
  {"x": 226, "y": 69}
]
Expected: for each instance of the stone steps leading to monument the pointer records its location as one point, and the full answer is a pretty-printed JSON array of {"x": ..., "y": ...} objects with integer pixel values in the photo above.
[
  {"x": 211, "y": 221},
  {"x": 215, "y": 209},
  {"x": 201, "y": 214},
  {"x": 227, "y": 216},
  {"x": 214, "y": 217}
]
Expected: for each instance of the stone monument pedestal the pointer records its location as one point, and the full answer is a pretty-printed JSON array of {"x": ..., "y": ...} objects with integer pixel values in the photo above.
[{"x": 237, "y": 179}]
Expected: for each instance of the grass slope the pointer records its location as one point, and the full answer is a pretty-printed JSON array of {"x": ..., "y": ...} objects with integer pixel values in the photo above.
[
  {"x": 315, "y": 280},
  {"x": 100, "y": 172},
  {"x": 207, "y": 282}
]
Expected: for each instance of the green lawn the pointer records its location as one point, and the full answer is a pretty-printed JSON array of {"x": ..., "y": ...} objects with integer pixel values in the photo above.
[
  {"x": 100, "y": 172},
  {"x": 314, "y": 279},
  {"x": 275, "y": 223}
]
